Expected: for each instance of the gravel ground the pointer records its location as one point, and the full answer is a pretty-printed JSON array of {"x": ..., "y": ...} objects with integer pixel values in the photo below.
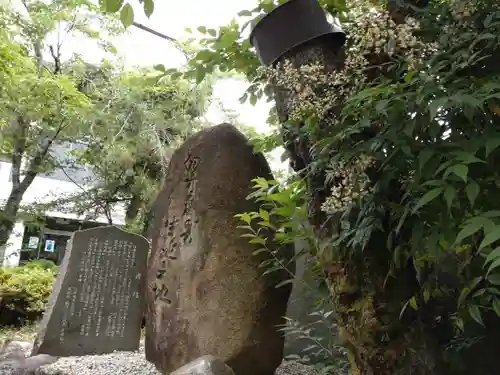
[
  {"x": 294, "y": 368},
  {"x": 117, "y": 363},
  {"x": 123, "y": 363}
]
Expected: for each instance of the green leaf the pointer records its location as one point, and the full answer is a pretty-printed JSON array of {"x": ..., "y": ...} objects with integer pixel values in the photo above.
[
  {"x": 490, "y": 237},
  {"x": 487, "y": 224},
  {"x": 496, "y": 306},
  {"x": 247, "y": 227},
  {"x": 253, "y": 99},
  {"x": 283, "y": 283},
  {"x": 264, "y": 214},
  {"x": 204, "y": 55},
  {"x": 200, "y": 75},
  {"x": 202, "y": 29},
  {"x": 449, "y": 195},
  {"x": 492, "y": 213},
  {"x": 427, "y": 295},
  {"x": 469, "y": 230},
  {"x": 423, "y": 157},
  {"x": 491, "y": 144},
  {"x": 149, "y": 7},
  {"x": 466, "y": 291},
  {"x": 160, "y": 67},
  {"x": 403, "y": 309},
  {"x": 494, "y": 279},
  {"x": 259, "y": 251},
  {"x": 408, "y": 76},
  {"x": 244, "y": 217},
  {"x": 263, "y": 183},
  {"x": 479, "y": 293},
  {"x": 492, "y": 256},
  {"x": 258, "y": 240},
  {"x": 428, "y": 197},
  {"x": 227, "y": 39},
  {"x": 112, "y": 6},
  {"x": 212, "y": 32},
  {"x": 467, "y": 157},
  {"x": 476, "y": 314},
  {"x": 472, "y": 189},
  {"x": 463, "y": 295},
  {"x": 266, "y": 224},
  {"x": 435, "y": 105},
  {"x": 487, "y": 20},
  {"x": 245, "y": 13},
  {"x": 459, "y": 170},
  {"x": 413, "y": 303},
  {"x": 127, "y": 15},
  {"x": 493, "y": 291},
  {"x": 493, "y": 265}
]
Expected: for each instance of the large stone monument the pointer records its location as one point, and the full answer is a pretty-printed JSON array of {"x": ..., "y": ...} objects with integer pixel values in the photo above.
[
  {"x": 206, "y": 293},
  {"x": 97, "y": 301}
]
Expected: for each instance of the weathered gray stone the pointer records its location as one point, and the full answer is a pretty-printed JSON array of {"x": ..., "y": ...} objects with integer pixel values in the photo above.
[
  {"x": 14, "y": 349},
  {"x": 97, "y": 301},
  {"x": 206, "y": 293},
  {"x": 206, "y": 365},
  {"x": 14, "y": 360}
]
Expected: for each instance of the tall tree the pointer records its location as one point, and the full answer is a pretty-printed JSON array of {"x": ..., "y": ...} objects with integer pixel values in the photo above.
[
  {"x": 138, "y": 118},
  {"x": 41, "y": 105}
]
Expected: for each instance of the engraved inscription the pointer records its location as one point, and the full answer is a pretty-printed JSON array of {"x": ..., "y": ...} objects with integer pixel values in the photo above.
[
  {"x": 161, "y": 293},
  {"x": 186, "y": 234},
  {"x": 106, "y": 279},
  {"x": 190, "y": 178},
  {"x": 190, "y": 167},
  {"x": 69, "y": 310},
  {"x": 96, "y": 306},
  {"x": 175, "y": 233}
]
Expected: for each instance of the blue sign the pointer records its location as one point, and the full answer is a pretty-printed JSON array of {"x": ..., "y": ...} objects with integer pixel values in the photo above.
[{"x": 50, "y": 246}]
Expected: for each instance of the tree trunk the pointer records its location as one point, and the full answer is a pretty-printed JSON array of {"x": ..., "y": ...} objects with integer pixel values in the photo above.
[
  {"x": 133, "y": 209},
  {"x": 9, "y": 214},
  {"x": 368, "y": 302},
  {"x": 367, "y": 310}
]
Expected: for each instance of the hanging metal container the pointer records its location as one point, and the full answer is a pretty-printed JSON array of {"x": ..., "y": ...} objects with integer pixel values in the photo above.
[{"x": 290, "y": 25}]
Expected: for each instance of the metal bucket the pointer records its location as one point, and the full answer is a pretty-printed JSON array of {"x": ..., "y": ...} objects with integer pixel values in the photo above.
[{"x": 290, "y": 25}]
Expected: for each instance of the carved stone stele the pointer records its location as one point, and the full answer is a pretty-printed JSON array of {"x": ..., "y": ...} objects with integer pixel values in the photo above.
[{"x": 206, "y": 294}]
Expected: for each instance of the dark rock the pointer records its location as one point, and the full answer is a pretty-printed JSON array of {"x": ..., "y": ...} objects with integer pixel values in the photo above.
[
  {"x": 206, "y": 292},
  {"x": 97, "y": 302}
]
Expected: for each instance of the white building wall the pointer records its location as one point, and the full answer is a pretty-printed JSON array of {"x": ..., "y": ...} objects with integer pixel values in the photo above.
[
  {"x": 42, "y": 190},
  {"x": 4, "y": 174}
]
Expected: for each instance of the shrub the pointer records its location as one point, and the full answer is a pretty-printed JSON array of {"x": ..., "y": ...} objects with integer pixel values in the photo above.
[
  {"x": 41, "y": 263},
  {"x": 24, "y": 291}
]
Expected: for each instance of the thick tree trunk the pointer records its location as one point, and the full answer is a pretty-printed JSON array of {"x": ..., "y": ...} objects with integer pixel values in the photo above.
[
  {"x": 8, "y": 215},
  {"x": 133, "y": 209},
  {"x": 368, "y": 302},
  {"x": 368, "y": 305}
]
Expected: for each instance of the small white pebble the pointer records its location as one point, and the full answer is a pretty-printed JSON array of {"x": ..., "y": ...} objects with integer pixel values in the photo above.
[{"x": 127, "y": 363}]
